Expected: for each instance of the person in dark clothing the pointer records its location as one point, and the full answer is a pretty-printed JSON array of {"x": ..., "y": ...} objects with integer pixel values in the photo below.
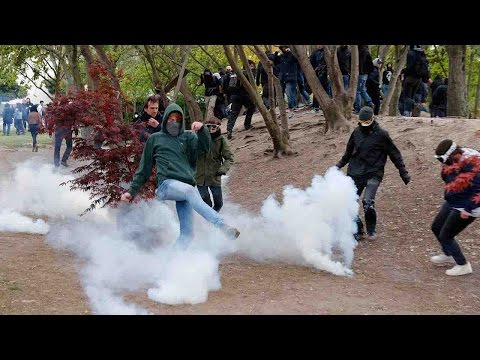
[
  {"x": 262, "y": 78},
  {"x": 386, "y": 77},
  {"x": 212, "y": 91},
  {"x": 365, "y": 67},
  {"x": 439, "y": 100},
  {"x": 416, "y": 71},
  {"x": 366, "y": 155},
  {"x": 344, "y": 62},
  {"x": 225, "y": 83},
  {"x": 175, "y": 151},
  {"x": 149, "y": 120},
  {"x": 240, "y": 97},
  {"x": 288, "y": 68},
  {"x": 433, "y": 86},
  {"x": 212, "y": 165},
  {"x": 63, "y": 130},
  {"x": 302, "y": 89},
  {"x": 7, "y": 119},
  {"x": 461, "y": 174},
  {"x": 373, "y": 85},
  {"x": 319, "y": 64}
]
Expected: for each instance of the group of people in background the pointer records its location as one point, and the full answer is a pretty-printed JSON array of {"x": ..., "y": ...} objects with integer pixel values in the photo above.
[{"x": 190, "y": 164}]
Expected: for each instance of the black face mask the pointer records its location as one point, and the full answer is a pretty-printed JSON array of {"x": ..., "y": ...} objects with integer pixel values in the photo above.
[
  {"x": 216, "y": 134},
  {"x": 365, "y": 129}
]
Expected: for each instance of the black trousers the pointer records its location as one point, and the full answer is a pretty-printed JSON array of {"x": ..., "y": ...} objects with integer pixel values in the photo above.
[
  {"x": 237, "y": 102},
  {"x": 446, "y": 226},
  {"x": 216, "y": 194},
  {"x": 370, "y": 185}
]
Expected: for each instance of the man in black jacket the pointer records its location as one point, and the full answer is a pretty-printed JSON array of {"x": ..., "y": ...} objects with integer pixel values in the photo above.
[
  {"x": 366, "y": 153},
  {"x": 150, "y": 119}
]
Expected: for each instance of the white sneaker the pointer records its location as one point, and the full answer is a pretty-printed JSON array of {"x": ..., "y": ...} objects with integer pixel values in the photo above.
[
  {"x": 442, "y": 259},
  {"x": 460, "y": 270}
]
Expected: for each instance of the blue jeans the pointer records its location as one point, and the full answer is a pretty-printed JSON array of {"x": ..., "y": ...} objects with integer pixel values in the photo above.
[
  {"x": 187, "y": 198},
  {"x": 6, "y": 128},
  {"x": 60, "y": 134},
  {"x": 291, "y": 89},
  {"x": 362, "y": 91},
  {"x": 216, "y": 194},
  {"x": 346, "y": 81},
  {"x": 384, "y": 89},
  {"x": 33, "y": 128}
]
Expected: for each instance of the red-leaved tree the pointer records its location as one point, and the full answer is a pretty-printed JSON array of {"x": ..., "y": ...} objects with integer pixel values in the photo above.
[{"x": 112, "y": 149}]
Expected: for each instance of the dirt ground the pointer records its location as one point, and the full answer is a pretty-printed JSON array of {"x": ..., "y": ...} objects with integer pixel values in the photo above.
[{"x": 393, "y": 274}]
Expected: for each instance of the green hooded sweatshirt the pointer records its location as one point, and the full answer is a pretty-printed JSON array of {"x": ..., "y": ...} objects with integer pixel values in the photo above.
[{"x": 175, "y": 156}]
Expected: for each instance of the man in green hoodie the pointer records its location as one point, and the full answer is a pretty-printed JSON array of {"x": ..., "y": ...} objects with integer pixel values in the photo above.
[{"x": 175, "y": 153}]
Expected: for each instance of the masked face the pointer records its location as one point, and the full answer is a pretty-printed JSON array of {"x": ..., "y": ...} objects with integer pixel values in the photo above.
[
  {"x": 364, "y": 128},
  {"x": 214, "y": 130},
  {"x": 174, "y": 123}
]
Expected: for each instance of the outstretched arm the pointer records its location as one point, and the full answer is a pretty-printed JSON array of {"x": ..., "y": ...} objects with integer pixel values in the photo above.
[
  {"x": 348, "y": 152},
  {"x": 396, "y": 157}
]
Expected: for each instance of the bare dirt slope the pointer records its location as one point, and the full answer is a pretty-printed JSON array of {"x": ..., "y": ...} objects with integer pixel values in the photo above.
[{"x": 392, "y": 274}]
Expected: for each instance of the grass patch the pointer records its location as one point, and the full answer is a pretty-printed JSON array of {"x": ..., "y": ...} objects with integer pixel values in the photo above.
[{"x": 16, "y": 141}]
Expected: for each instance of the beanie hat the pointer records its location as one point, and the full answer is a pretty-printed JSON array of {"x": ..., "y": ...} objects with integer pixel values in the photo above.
[{"x": 365, "y": 116}]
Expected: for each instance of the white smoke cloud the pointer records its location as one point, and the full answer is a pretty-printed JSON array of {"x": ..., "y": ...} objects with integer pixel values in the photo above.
[
  {"x": 11, "y": 221},
  {"x": 312, "y": 227},
  {"x": 34, "y": 189},
  {"x": 132, "y": 248}
]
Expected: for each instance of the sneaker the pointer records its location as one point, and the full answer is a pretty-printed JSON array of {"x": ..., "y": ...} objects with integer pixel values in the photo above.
[
  {"x": 372, "y": 235},
  {"x": 458, "y": 270},
  {"x": 231, "y": 231},
  {"x": 442, "y": 259},
  {"x": 359, "y": 236},
  {"x": 64, "y": 163},
  {"x": 290, "y": 115}
]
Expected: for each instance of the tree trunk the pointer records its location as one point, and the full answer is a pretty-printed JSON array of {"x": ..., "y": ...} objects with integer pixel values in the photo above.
[
  {"x": 477, "y": 95},
  {"x": 110, "y": 66},
  {"x": 280, "y": 146},
  {"x": 456, "y": 96},
  {"x": 332, "y": 108},
  {"x": 72, "y": 55},
  {"x": 192, "y": 105},
  {"x": 469, "y": 78},
  {"x": 396, "y": 92},
  {"x": 158, "y": 84},
  {"x": 382, "y": 53},
  {"x": 394, "y": 95},
  {"x": 87, "y": 55},
  {"x": 182, "y": 71}
]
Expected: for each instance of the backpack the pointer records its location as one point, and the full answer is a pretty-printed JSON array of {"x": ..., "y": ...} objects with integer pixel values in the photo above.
[
  {"x": 211, "y": 83},
  {"x": 420, "y": 66},
  {"x": 232, "y": 83}
]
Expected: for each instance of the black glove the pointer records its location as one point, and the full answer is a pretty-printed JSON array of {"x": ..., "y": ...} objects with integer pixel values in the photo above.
[
  {"x": 219, "y": 173},
  {"x": 405, "y": 177}
]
